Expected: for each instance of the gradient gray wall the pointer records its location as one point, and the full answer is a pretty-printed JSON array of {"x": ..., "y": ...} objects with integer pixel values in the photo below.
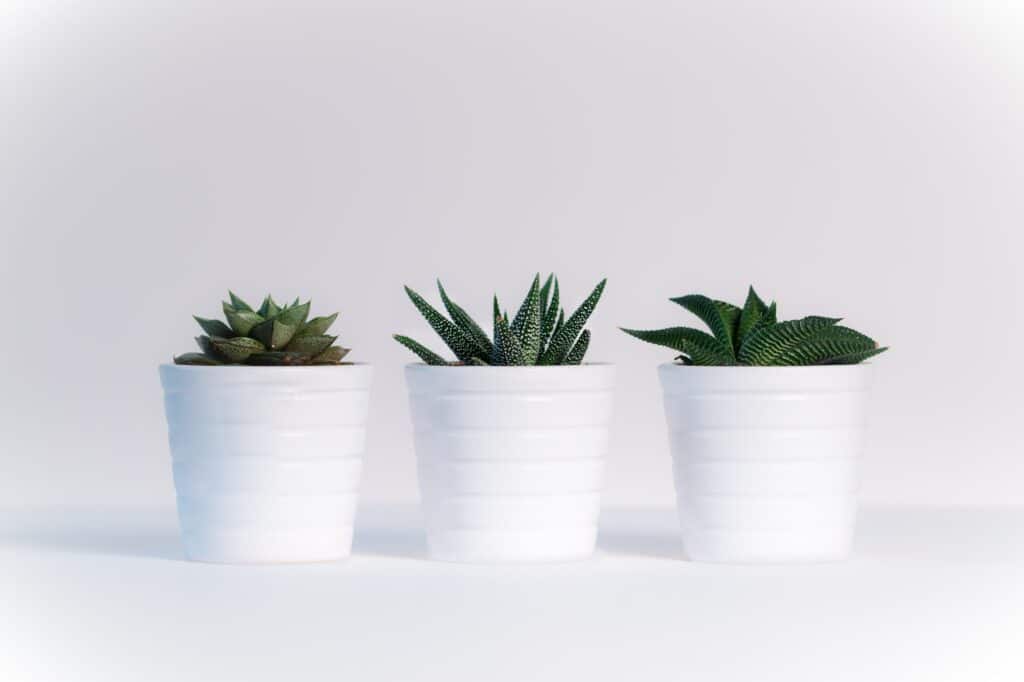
[{"x": 856, "y": 159}]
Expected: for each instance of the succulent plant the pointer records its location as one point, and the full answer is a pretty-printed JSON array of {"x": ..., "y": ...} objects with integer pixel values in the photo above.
[
  {"x": 752, "y": 335},
  {"x": 539, "y": 334},
  {"x": 269, "y": 335}
]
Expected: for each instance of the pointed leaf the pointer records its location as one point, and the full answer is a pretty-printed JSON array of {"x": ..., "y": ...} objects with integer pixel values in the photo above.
[
  {"x": 700, "y": 347},
  {"x": 238, "y": 304},
  {"x": 511, "y": 349},
  {"x": 195, "y": 359},
  {"x": 855, "y": 357},
  {"x": 274, "y": 334},
  {"x": 426, "y": 355},
  {"x": 317, "y": 326},
  {"x": 331, "y": 356},
  {"x": 719, "y": 316},
  {"x": 562, "y": 340},
  {"x": 497, "y": 357},
  {"x": 214, "y": 327},
  {"x": 269, "y": 308},
  {"x": 461, "y": 344},
  {"x": 206, "y": 346},
  {"x": 575, "y": 356},
  {"x": 242, "y": 321},
  {"x": 466, "y": 323},
  {"x": 753, "y": 310},
  {"x": 768, "y": 343},
  {"x": 294, "y": 316},
  {"x": 527, "y": 323},
  {"x": 311, "y": 345},
  {"x": 236, "y": 349},
  {"x": 551, "y": 315}
]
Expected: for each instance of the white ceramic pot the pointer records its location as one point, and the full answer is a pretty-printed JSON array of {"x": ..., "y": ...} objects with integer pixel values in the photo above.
[
  {"x": 765, "y": 459},
  {"x": 266, "y": 460},
  {"x": 510, "y": 459}
]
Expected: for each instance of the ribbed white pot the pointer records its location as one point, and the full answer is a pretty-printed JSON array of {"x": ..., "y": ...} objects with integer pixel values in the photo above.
[
  {"x": 766, "y": 459},
  {"x": 510, "y": 459},
  {"x": 266, "y": 460}
]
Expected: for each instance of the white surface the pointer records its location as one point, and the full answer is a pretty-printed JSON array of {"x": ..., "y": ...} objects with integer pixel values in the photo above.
[
  {"x": 266, "y": 460},
  {"x": 930, "y": 594},
  {"x": 856, "y": 159},
  {"x": 765, "y": 459},
  {"x": 511, "y": 459}
]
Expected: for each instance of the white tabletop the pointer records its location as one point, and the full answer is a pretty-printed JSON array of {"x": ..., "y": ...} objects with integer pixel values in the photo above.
[{"x": 932, "y": 594}]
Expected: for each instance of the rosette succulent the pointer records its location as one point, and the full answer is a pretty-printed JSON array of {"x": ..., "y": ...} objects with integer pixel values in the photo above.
[
  {"x": 539, "y": 334},
  {"x": 752, "y": 335},
  {"x": 269, "y": 335}
]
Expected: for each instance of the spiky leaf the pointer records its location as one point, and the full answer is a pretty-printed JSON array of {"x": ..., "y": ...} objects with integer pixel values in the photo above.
[
  {"x": 468, "y": 325},
  {"x": 295, "y": 315},
  {"x": 317, "y": 326},
  {"x": 700, "y": 347},
  {"x": 331, "y": 356},
  {"x": 274, "y": 334},
  {"x": 311, "y": 345},
  {"x": 575, "y": 356},
  {"x": 269, "y": 308},
  {"x": 195, "y": 359},
  {"x": 236, "y": 349},
  {"x": 206, "y": 346},
  {"x": 527, "y": 323},
  {"x": 551, "y": 316},
  {"x": 456, "y": 339},
  {"x": 214, "y": 327},
  {"x": 855, "y": 357},
  {"x": 242, "y": 321},
  {"x": 765, "y": 345},
  {"x": 507, "y": 343},
  {"x": 238, "y": 304},
  {"x": 425, "y": 354},
  {"x": 753, "y": 310},
  {"x": 719, "y": 316},
  {"x": 562, "y": 340},
  {"x": 497, "y": 357}
]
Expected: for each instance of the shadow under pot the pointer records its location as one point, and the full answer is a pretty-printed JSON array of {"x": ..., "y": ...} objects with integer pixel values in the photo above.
[
  {"x": 510, "y": 459},
  {"x": 266, "y": 460},
  {"x": 765, "y": 459}
]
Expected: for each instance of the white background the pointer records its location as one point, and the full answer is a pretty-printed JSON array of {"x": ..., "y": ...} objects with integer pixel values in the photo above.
[
  {"x": 851, "y": 159},
  {"x": 857, "y": 159}
]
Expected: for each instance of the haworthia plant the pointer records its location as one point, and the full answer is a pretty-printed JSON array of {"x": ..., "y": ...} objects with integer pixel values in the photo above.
[
  {"x": 752, "y": 335},
  {"x": 269, "y": 335},
  {"x": 539, "y": 334}
]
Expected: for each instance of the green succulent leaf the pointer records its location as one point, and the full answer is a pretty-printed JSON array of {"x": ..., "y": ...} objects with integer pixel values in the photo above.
[
  {"x": 700, "y": 347},
  {"x": 466, "y": 323},
  {"x": 195, "y": 359},
  {"x": 854, "y": 357},
  {"x": 425, "y": 354},
  {"x": 242, "y": 321},
  {"x": 827, "y": 345},
  {"x": 563, "y": 339},
  {"x": 330, "y": 356},
  {"x": 238, "y": 304},
  {"x": 767, "y": 345},
  {"x": 575, "y": 356},
  {"x": 719, "y": 316},
  {"x": 214, "y": 327},
  {"x": 269, "y": 308},
  {"x": 527, "y": 323},
  {"x": 478, "y": 362},
  {"x": 551, "y": 314},
  {"x": 311, "y": 345},
  {"x": 236, "y": 349},
  {"x": 294, "y": 315},
  {"x": 317, "y": 326},
  {"x": 206, "y": 346},
  {"x": 754, "y": 310},
  {"x": 456, "y": 339},
  {"x": 273, "y": 333},
  {"x": 511, "y": 349},
  {"x": 279, "y": 357}
]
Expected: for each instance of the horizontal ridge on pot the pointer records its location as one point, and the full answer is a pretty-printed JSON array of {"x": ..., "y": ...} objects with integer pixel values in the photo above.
[
  {"x": 510, "y": 459},
  {"x": 266, "y": 460},
  {"x": 765, "y": 459}
]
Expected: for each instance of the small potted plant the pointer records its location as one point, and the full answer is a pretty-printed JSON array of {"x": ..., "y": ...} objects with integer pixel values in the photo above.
[
  {"x": 266, "y": 429},
  {"x": 510, "y": 437},
  {"x": 766, "y": 424}
]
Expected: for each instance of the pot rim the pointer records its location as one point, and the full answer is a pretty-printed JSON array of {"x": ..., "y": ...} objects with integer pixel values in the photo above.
[
  {"x": 736, "y": 368},
  {"x": 540, "y": 368},
  {"x": 261, "y": 368}
]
